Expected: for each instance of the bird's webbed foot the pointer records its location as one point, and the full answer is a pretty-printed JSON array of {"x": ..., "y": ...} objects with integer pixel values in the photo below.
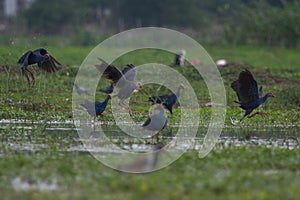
[{"x": 234, "y": 122}]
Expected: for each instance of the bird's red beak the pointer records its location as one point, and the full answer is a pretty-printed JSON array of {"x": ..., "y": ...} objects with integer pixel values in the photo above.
[
  {"x": 158, "y": 106},
  {"x": 140, "y": 85},
  {"x": 48, "y": 55},
  {"x": 272, "y": 95}
]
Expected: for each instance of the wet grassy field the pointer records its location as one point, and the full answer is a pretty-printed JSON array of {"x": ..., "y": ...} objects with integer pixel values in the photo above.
[{"x": 44, "y": 159}]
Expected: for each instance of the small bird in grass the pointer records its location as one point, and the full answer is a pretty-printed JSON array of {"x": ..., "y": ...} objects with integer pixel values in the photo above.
[
  {"x": 96, "y": 108},
  {"x": 180, "y": 58},
  {"x": 123, "y": 80},
  {"x": 250, "y": 97},
  {"x": 81, "y": 90},
  {"x": 168, "y": 100},
  {"x": 43, "y": 60},
  {"x": 156, "y": 122}
]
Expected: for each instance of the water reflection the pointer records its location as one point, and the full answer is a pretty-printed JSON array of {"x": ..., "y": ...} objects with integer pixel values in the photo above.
[{"x": 20, "y": 137}]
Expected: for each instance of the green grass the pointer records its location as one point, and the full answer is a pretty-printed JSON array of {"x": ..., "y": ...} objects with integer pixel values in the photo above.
[
  {"x": 51, "y": 95},
  {"x": 280, "y": 61},
  {"x": 251, "y": 171}
]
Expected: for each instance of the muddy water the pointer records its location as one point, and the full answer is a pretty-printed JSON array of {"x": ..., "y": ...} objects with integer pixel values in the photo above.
[{"x": 55, "y": 136}]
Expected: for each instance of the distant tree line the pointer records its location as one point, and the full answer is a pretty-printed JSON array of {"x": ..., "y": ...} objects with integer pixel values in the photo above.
[{"x": 262, "y": 22}]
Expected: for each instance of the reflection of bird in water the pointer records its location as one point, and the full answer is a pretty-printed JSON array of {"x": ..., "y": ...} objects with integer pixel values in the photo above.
[
  {"x": 168, "y": 100},
  {"x": 156, "y": 122},
  {"x": 248, "y": 93},
  {"x": 40, "y": 57},
  {"x": 145, "y": 163},
  {"x": 180, "y": 58},
  {"x": 81, "y": 90},
  {"x": 96, "y": 108},
  {"x": 123, "y": 80}
]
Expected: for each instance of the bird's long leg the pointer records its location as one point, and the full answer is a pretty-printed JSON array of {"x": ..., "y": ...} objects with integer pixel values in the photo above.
[
  {"x": 246, "y": 115},
  {"x": 152, "y": 139},
  {"x": 242, "y": 118},
  {"x": 157, "y": 137},
  {"x": 93, "y": 121},
  {"x": 257, "y": 113},
  {"x": 25, "y": 72},
  {"x": 235, "y": 122},
  {"x": 122, "y": 103},
  {"x": 26, "y": 75},
  {"x": 152, "y": 136},
  {"x": 32, "y": 76},
  {"x": 129, "y": 110}
]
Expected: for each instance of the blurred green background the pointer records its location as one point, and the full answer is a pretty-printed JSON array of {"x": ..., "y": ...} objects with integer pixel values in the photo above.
[
  {"x": 256, "y": 160},
  {"x": 214, "y": 22}
]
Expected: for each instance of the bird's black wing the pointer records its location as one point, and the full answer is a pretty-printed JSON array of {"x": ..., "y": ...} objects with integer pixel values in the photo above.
[
  {"x": 159, "y": 99},
  {"x": 154, "y": 99},
  {"x": 247, "y": 87},
  {"x": 108, "y": 90},
  {"x": 169, "y": 107},
  {"x": 164, "y": 99},
  {"x": 147, "y": 122},
  {"x": 235, "y": 87},
  {"x": 24, "y": 57},
  {"x": 177, "y": 60},
  {"x": 110, "y": 72},
  {"x": 260, "y": 91},
  {"x": 129, "y": 72},
  {"x": 50, "y": 65}
]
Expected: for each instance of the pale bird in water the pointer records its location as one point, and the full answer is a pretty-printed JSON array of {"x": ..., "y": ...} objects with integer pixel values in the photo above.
[{"x": 145, "y": 163}]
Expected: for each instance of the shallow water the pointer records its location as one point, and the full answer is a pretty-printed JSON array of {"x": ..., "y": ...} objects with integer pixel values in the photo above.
[{"x": 22, "y": 136}]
